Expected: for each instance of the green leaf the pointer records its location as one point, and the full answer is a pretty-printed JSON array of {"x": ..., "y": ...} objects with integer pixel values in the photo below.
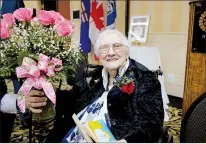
[
  {"x": 6, "y": 71},
  {"x": 34, "y": 57},
  {"x": 22, "y": 54}
]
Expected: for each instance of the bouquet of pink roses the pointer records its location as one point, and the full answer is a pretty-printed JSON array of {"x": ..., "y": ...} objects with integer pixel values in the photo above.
[
  {"x": 49, "y": 33},
  {"x": 27, "y": 47}
]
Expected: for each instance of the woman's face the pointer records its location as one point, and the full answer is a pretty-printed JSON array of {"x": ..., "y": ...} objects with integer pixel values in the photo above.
[{"x": 112, "y": 53}]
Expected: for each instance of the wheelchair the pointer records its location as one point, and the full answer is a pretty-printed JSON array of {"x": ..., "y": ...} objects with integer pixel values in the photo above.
[{"x": 164, "y": 137}]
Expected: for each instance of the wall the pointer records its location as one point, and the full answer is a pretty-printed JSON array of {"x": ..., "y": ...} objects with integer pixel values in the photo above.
[
  {"x": 168, "y": 31},
  {"x": 33, "y": 4}
]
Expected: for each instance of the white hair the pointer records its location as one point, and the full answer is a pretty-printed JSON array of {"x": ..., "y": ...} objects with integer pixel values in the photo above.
[{"x": 125, "y": 41}]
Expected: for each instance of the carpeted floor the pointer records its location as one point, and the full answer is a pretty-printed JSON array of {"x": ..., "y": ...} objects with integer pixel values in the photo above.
[
  {"x": 174, "y": 123},
  {"x": 40, "y": 131}
]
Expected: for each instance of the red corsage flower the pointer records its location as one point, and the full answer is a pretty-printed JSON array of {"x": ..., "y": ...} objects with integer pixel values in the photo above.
[
  {"x": 128, "y": 88},
  {"x": 126, "y": 84}
]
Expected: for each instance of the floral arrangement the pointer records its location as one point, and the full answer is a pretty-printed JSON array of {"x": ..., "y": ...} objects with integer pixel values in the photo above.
[
  {"x": 126, "y": 85},
  {"x": 38, "y": 50},
  {"x": 49, "y": 33}
]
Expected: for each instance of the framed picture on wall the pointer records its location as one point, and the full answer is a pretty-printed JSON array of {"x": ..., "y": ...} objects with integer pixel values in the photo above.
[{"x": 139, "y": 28}]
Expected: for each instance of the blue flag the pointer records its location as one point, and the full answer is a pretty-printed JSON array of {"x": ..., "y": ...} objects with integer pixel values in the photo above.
[
  {"x": 111, "y": 14},
  {"x": 84, "y": 32},
  {"x": 9, "y": 6}
]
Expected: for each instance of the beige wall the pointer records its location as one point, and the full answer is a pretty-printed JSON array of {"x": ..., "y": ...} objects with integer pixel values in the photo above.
[
  {"x": 168, "y": 32},
  {"x": 33, "y": 4}
]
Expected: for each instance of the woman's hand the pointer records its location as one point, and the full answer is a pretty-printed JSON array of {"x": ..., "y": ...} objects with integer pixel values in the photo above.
[{"x": 35, "y": 101}]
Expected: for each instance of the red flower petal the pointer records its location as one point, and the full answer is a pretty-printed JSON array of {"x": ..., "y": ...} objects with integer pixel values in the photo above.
[
  {"x": 128, "y": 88},
  {"x": 124, "y": 88}
]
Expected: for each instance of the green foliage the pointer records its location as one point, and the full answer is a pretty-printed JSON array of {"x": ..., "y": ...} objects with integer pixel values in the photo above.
[
  {"x": 6, "y": 71},
  {"x": 29, "y": 41},
  {"x": 23, "y": 54},
  {"x": 124, "y": 80}
]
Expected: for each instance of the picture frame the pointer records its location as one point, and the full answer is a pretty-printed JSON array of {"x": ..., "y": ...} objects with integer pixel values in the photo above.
[
  {"x": 139, "y": 27},
  {"x": 76, "y": 14}
]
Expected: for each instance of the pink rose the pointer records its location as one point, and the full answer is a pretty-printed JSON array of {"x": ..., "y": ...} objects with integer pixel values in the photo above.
[
  {"x": 48, "y": 17},
  {"x": 57, "y": 63},
  {"x": 5, "y": 32},
  {"x": 23, "y": 14},
  {"x": 64, "y": 27},
  {"x": 56, "y": 16},
  {"x": 9, "y": 19},
  {"x": 45, "y": 17}
]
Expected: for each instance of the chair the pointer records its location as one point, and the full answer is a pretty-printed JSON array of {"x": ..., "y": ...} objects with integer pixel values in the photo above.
[
  {"x": 150, "y": 57},
  {"x": 193, "y": 127},
  {"x": 164, "y": 137}
]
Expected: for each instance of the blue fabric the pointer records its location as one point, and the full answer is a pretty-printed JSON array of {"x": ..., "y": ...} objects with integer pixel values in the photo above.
[
  {"x": 93, "y": 108},
  {"x": 84, "y": 30},
  {"x": 9, "y": 6},
  {"x": 67, "y": 135},
  {"x": 111, "y": 16},
  {"x": 16, "y": 85},
  {"x": 107, "y": 120},
  {"x": 115, "y": 92}
]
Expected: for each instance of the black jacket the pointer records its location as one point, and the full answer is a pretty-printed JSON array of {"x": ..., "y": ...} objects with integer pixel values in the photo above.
[{"x": 137, "y": 117}]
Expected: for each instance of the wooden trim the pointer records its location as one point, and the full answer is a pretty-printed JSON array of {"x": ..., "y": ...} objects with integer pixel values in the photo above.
[
  {"x": 195, "y": 73},
  {"x": 189, "y": 47},
  {"x": 63, "y": 7}
]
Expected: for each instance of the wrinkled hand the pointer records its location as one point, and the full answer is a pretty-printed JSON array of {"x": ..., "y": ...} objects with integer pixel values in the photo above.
[{"x": 35, "y": 101}]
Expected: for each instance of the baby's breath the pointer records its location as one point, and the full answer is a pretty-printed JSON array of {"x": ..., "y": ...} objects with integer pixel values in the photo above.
[{"x": 35, "y": 40}]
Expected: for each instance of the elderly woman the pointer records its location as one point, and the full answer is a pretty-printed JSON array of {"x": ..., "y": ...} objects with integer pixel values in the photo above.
[{"x": 123, "y": 93}]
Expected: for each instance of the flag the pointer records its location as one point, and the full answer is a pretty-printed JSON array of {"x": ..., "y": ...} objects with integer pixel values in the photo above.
[
  {"x": 111, "y": 14},
  {"x": 84, "y": 30},
  {"x": 96, "y": 23},
  {"x": 96, "y": 58}
]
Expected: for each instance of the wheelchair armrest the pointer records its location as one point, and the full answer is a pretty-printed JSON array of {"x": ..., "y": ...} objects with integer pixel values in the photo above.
[{"x": 158, "y": 72}]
